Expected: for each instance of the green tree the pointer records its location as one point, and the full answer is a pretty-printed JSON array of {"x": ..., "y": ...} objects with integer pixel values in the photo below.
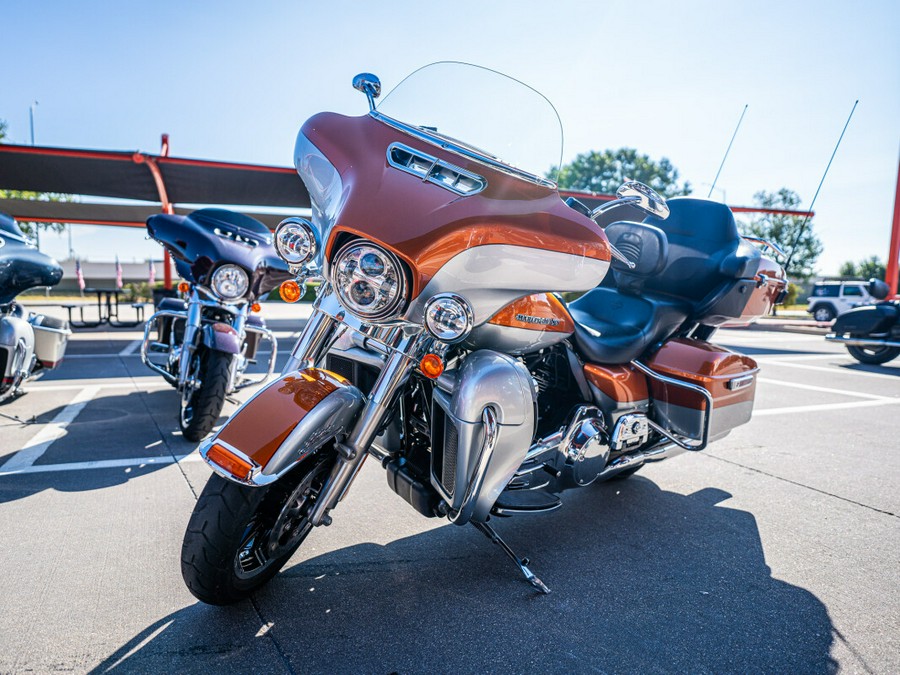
[
  {"x": 605, "y": 171},
  {"x": 870, "y": 268},
  {"x": 803, "y": 248},
  {"x": 30, "y": 228}
]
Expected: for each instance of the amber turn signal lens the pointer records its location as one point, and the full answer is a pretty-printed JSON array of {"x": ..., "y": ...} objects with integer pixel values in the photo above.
[
  {"x": 431, "y": 366},
  {"x": 255, "y": 307},
  {"x": 236, "y": 466},
  {"x": 184, "y": 287},
  {"x": 290, "y": 291}
]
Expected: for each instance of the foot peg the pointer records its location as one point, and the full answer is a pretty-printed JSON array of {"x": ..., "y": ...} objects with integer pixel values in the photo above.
[{"x": 491, "y": 534}]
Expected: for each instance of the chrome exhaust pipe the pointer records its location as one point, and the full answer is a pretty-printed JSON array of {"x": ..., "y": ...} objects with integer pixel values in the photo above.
[
  {"x": 635, "y": 459},
  {"x": 861, "y": 342}
]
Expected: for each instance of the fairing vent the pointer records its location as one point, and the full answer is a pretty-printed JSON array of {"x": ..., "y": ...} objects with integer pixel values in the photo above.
[
  {"x": 238, "y": 238},
  {"x": 433, "y": 170}
]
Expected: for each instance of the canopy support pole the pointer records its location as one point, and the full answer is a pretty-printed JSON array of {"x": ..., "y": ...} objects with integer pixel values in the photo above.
[
  {"x": 167, "y": 206},
  {"x": 894, "y": 252}
]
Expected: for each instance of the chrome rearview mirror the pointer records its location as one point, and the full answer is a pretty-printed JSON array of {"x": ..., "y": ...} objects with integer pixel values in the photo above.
[
  {"x": 370, "y": 85},
  {"x": 644, "y": 197}
]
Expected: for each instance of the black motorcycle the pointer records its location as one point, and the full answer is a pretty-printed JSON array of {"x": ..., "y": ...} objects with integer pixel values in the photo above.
[
  {"x": 871, "y": 333},
  {"x": 30, "y": 344},
  {"x": 210, "y": 337}
]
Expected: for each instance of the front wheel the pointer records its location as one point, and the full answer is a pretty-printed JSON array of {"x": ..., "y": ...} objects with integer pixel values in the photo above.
[
  {"x": 201, "y": 404},
  {"x": 240, "y": 536},
  {"x": 873, "y": 355}
]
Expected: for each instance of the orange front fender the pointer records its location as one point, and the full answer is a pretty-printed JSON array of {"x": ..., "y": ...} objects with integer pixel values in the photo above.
[{"x": 282, "y": 424}]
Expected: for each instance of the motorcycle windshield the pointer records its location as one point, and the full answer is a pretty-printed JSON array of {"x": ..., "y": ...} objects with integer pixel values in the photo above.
[{"x": 480, "y": 114}]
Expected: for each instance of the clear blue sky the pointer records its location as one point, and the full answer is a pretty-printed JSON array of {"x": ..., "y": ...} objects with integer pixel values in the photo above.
[{"x": 234, "y": 81}]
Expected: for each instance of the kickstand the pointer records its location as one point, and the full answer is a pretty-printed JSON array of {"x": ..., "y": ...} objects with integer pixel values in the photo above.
[
  {"x": 16, "y": 418},
  {"x": 491, "y": 534}
]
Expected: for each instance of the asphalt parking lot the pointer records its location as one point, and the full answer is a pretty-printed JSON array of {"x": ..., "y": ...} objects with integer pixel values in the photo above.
[{"x": 776, "y": 550}]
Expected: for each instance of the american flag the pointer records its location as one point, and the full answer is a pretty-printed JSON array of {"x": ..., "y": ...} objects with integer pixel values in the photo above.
[
  {"x": 118, "y": 273},
  {"x": 151, "y": 278},
  {"x": 79, "y": 275}
]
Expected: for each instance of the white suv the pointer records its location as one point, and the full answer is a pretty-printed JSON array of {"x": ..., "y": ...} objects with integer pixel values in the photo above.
[{"x": 832, "y": 298}]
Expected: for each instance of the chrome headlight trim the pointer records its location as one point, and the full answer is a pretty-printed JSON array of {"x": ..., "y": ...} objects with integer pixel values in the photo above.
[
  {"x": 295, "y": 241},
  {"x": 369, "y": 280},
  {"x": 449, "y": 317},
  {"x": 230, "y": 282}
]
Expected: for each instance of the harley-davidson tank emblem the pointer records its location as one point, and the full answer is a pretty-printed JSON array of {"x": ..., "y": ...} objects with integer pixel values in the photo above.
[{"x": 541, "y": 320}]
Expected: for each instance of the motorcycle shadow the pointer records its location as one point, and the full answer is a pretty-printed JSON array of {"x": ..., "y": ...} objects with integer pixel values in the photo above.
[
  {"x": 643, "y": 580},
  {"x": 115, "y": 431}
]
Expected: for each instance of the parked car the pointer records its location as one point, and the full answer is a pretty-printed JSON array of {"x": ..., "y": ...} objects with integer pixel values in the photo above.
[{"x": 830, "y": 299}]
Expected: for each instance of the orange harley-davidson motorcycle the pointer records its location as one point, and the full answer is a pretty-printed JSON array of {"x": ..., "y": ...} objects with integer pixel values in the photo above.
[{"x": 438, "y": 344}]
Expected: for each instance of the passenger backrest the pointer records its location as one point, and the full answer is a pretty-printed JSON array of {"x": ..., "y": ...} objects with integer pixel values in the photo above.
[
  {"x": 644, "y": 245},
  {"x": 701, "y": 235}
]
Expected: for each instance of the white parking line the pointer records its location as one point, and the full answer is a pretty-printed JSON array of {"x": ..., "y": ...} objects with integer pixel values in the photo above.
[
  {"x": 833, "y": 370},
  {"x": 824, "y": 407},
  {"x": 131, "y": 347},
  {"x": 101, "y": 464},
  {"x": 155, "y": 383},
  {"x": 43, "y": 439},
  {"x": 827, "y": 390}
]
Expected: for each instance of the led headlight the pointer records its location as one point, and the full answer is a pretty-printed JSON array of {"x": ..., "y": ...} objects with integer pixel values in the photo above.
[
  {"x": 369, "y": 281},
  {"x": 230, "y": 282},
  {"x": 295, "y": 241},
  {"x": 448, "y": 317}
]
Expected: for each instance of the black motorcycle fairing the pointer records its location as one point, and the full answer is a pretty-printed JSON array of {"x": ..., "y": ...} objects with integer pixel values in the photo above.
[
  {"x": 867, "y": 320},
  {"x": 208, "y": 238},
  {"x": 22, "y": 266}
]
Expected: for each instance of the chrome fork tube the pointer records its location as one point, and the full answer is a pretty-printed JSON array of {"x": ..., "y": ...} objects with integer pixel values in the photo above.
[
  {"x": 191, "y": 327},
  {"x": 354, "y": 450},
  {"x": 310, "y": 346}
]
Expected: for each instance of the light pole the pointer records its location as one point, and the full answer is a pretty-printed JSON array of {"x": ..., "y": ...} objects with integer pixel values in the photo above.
[{"x": 31, "y": 119}]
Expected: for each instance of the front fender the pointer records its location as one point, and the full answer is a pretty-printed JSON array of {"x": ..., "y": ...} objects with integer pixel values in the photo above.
[
  {"x": 222, "y": 338},
  {"x": 281, "y": 425}
]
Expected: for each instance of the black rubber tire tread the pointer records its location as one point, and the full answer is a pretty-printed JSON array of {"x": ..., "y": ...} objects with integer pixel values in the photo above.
[
  {"x": 883, "y": 356},
  {"x": 210, "y": 398},
  {"x": 213, "y": 535}
]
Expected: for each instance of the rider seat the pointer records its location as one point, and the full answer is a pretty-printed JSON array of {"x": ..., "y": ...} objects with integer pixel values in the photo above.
[{"x": 687, "y": 267}]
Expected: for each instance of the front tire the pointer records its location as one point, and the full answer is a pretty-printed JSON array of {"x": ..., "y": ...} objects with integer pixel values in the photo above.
[
  {"x": 239, "y": 536},
  {"x": 200, "y": 407},
  {"x": 873, "y": 355}
]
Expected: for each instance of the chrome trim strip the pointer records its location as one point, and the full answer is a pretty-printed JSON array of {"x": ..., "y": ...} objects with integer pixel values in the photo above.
[
  {"x": 436, "y": 163},
  {"x": 455, "y": 148}
]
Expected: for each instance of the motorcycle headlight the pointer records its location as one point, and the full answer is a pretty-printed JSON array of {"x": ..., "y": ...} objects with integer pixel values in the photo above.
[
  {"x": 230, "y": 282},
  {"x": 295, "y": 241},
  {"x": 448, "y": 317},
  {"x": 369, "y": 281}
]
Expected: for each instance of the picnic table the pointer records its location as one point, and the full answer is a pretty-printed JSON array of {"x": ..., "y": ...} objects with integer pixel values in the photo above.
[{"x": 107, "y": 310}]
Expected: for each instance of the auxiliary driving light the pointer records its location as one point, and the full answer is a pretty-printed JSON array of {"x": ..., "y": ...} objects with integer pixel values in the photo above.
[{"x": 448, "y": 317}]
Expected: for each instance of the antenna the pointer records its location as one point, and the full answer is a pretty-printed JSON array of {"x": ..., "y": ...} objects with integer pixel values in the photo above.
[
  {"x": 816, "y": 196},
  {"x": 727, "y": 150}
]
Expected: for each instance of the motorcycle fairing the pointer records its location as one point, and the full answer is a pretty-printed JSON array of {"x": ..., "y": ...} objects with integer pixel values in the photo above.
[
  {"x": 281, "y": 425},
  {"x": 22, "y": 266},
  {"x": 509, "y": 211},
  {"x": 207, "y": 238}
]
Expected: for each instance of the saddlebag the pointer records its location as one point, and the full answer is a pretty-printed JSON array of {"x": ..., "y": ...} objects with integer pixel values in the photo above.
[
  {"x": 50, "y": 338},
  {"x": 730, "y": 379},
  {"x": 867, "y": 320},
  {"x": 281, "y": 425}
]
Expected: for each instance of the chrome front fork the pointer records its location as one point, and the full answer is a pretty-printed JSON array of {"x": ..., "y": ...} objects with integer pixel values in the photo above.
[
  {"x": 191, "y": 326},
  {"x": 314, "y": 343}
]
